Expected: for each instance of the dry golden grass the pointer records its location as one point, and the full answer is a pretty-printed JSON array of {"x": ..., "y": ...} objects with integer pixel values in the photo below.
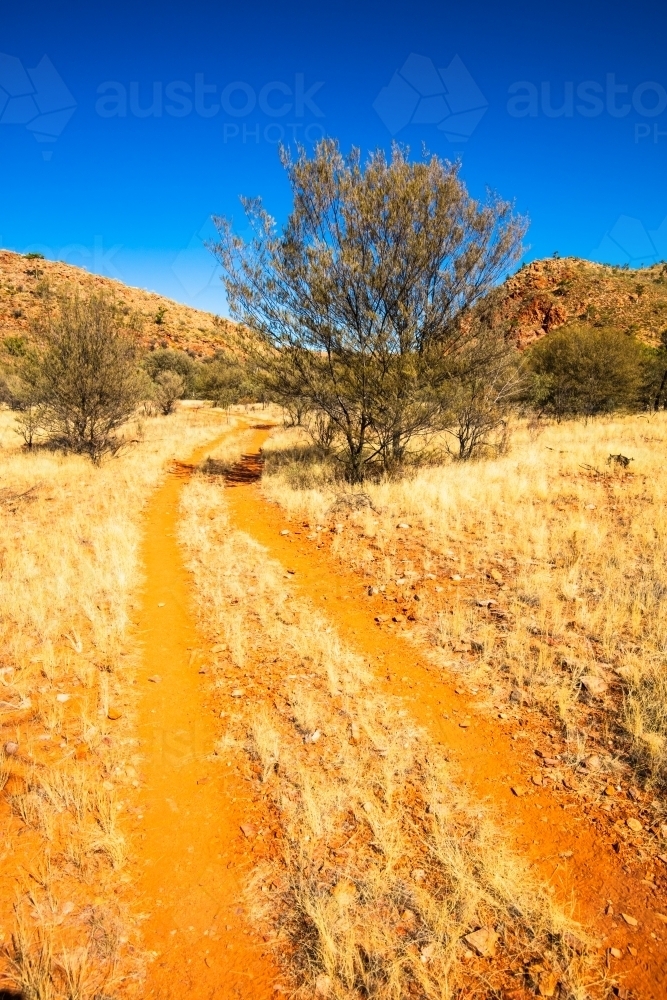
[
  {"x": 69, "y": 557},
  {"x": 573, "y": 548},
  {"x": 382, "y": 868}
]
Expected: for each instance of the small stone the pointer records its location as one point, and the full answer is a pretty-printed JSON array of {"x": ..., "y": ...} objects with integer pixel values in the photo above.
[
  {"x": 515, "y": 696},
  {"x": 610, "y": 791},
  {"x": 455, "y": 578},
  {"x": 634, "y": 824},
  {"x": 574, "y": 942},
  {"x": 519, "y": 790},
  {"x": 482, "y": 941},
  {"x": 314, "y": 737},
  {"x": 550, "y": 761},
  {"x": 590, "y": 506},
  {"x": 593, "y": 763},
  {"x": 398, "y": 618},
  {"x": 418, "y": 874},
  {"x": 632, "y": 951},
  {"x": 114, "y": 714},
  {"x": 11, "y": 748},
  {"x": 496, "y": 576},
  {"x": 403, "y": 525},
  {"x": 502, "y": 715},
  {"x": 566, "y": 854},
  {"x": 594, "y": 685},
  {"x": 155, "y": 679},
  {"x": 635, "y": 794},
  {"x": 547, "y": 984},
  {"x": 237, "y": 693},
  {"x": 323, "y": 986},
  {"x": 661, "y": 917},
  {"x": 354, "y": 732},
  {"x": 663, "y": 858},
  {"x": 381, "y": 618},
  {"x": 62, "y": 698},
  {"x": 248, "y": 830},
  {"x": 372, "y": 591},
  {"x": 485, "y": 602},
  {"x": 465, "y": 724},
  {"x": 616, "y": 953},
  {"x": 537, "y": 779},
  {"x": 161, "y": 604},
  {"x": 630, "y": 921},
  {"x": 427, "y": 953},
  {"x": 284, "y": 532}
]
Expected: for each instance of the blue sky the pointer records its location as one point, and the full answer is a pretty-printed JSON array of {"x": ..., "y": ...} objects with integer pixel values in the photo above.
[{"x": 146, "y": 118}]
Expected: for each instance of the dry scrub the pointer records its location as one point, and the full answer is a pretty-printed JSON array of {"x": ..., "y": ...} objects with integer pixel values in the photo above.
[
  {"x": 69, "y": 546},
  {"x": 570, "y": 546},
  {"x": 381, "y": 868}
]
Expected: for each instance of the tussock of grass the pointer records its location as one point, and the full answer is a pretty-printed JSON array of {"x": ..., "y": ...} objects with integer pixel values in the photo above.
[
  {"x": 579, "y": 545},
  {"x": 383, "y": 866}
]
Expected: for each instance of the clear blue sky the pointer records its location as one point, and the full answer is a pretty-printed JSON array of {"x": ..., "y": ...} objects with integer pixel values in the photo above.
[{"x": 146, "y": 118}]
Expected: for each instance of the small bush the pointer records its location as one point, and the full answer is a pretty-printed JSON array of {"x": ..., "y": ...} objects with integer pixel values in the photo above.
[
  {"x": 81, "y": 380},
  {"x": 583, "y": 371},
  {"x": 169, "y": 386}
]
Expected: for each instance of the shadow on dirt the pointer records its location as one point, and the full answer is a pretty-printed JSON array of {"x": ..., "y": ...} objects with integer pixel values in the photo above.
[{"x": 247, "y": 471}]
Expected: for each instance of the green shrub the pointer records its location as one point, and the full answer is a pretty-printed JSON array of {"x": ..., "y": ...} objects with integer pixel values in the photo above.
[{"x": 582, "y": 371}]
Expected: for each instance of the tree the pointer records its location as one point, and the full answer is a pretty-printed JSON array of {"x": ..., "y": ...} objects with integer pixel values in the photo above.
[
  {"x": 167, "y": 388},
  {"x": 583, "y": 370},
  {"x": 166, "y": 359},
  {"x": 355, "y": 308},
  {"x": 224, "y": 380},
  {"x": 83, "y": 374}
]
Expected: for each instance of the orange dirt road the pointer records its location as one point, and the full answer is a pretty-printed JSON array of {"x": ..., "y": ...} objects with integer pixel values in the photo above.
[
  {"x": 190, "y": 853},
  {"x": 549, "y": 827}
]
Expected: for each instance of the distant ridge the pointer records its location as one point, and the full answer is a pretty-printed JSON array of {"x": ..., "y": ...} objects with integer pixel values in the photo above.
[
  {"x": 546, "y": 294},
  {"x": 22, "y": 280}
]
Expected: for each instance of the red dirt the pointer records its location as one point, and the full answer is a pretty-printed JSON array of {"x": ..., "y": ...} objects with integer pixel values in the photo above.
[
  {"x": 190, "y": 852},
  {"x": 571, "y": 845}
]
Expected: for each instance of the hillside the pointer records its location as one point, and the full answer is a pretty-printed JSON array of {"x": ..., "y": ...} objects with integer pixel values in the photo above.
[
  {"x": 540, "y": 297},
  {"x": 163, "y": 322},
  {"x": 545, "y": 294}
]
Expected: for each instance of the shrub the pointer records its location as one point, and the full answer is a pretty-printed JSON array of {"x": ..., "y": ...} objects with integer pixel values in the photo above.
[
  {"x": 168, "y": 387},
  {"x": 582, "y": 371},
  {"x": 81, "y": 380}
]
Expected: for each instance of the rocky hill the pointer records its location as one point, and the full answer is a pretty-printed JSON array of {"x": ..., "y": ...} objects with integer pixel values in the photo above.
[
  {"x": 540, "y": 297},
  {"x": 162, "y": 322},
  {"x": 546, "y": 294}
]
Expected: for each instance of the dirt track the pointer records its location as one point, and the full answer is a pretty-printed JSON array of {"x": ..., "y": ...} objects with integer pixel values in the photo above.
[
  {"x": 549, "y": 827},
  {"x": 192, "y": 856}
]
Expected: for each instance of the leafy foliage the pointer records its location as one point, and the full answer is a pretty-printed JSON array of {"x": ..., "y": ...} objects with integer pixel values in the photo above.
[
  {"x": 359, "y": 302},
  {"x": 582, "y": 371}
]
